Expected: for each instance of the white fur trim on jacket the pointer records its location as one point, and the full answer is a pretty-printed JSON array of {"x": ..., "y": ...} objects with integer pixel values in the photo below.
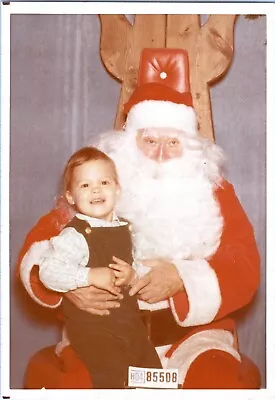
[
  {"x": 162, "y": 114},
  {"x": 64, "y": 342},
  {"x": 203, "y": 291},
  {"x": 31, "y": 258},
  {"x": 191, "y": 348}
]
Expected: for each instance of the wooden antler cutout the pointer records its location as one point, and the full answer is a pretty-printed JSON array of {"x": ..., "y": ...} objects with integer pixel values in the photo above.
[
  {"x": 121, "y": 46},
  {"x": 210, "y": 49}
]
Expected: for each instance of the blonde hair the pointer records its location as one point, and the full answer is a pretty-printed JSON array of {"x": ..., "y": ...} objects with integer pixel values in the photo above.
[{"x": 80, "y": 157}]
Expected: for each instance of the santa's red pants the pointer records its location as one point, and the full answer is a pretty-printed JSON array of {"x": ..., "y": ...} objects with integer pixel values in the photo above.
[{"x": 213, "y": 369}]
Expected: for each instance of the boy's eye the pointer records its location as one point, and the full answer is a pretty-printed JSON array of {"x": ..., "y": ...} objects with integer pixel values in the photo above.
[
  {"x": 84, "y": 185},
  {"x": 105, "y": 182}
]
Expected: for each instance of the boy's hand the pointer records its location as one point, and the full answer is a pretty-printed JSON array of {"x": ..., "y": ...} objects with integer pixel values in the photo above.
[
  {"x": 103, "y": 278},
  {"x": 124, "y": 272}
]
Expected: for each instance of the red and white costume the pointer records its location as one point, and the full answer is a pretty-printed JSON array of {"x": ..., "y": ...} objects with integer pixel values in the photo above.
[{"x": 191, "y": 216}]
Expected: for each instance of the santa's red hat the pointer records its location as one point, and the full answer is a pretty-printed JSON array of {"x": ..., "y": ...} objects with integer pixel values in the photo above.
[{"x": 156, "y": 103}]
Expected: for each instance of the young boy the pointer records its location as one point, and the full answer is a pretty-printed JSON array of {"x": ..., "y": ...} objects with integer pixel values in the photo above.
[{"x": 80, "y": 256}]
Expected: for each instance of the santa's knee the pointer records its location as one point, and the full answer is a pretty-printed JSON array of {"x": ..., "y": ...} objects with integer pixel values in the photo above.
[
  {"x": 216, "y": 369},
  {"x": 73, "y": 372}
]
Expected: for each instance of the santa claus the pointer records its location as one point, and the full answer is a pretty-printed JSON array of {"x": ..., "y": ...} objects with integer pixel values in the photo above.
[{"x": 191, "y": 237}]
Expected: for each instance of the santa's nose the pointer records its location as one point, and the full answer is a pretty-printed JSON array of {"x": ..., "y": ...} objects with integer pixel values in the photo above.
[{"x": 162, "y": 153}]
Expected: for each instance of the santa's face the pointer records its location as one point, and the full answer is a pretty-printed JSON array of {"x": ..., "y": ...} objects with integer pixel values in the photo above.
[
  {"x": 168, "y": 195},
  {"x": 159, "y": 144}
]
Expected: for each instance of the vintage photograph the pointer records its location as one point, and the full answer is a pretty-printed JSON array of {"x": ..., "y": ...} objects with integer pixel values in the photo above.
[{"x": 137, "y": 201}]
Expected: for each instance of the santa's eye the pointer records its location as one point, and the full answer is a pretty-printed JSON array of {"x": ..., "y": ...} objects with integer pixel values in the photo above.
[
  {"x": 149, "y": 140},
  {"x": 173, "y": 142}
]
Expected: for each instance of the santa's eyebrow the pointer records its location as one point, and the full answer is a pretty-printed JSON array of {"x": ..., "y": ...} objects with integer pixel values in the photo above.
[
  {"x": 173, "y": 137},
  {"x": 148, "y": 134}
]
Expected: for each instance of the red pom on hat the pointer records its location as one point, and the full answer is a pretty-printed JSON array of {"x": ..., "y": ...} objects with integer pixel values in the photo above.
[{"x": 162, "y": 98}]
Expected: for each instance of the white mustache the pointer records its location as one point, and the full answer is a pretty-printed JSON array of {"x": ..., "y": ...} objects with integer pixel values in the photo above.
[{"x": 200, "y": 157}]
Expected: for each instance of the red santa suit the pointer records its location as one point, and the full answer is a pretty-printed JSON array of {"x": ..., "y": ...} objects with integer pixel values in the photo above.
[{"x": 195, "y": 220}]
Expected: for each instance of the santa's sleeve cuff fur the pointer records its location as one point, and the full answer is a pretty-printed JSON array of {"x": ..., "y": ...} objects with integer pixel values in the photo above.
[
  {"x": 203, "y": 292},
  {"x": 31, "y": 258}
]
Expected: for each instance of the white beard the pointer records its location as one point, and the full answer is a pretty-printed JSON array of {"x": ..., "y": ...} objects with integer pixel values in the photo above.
[{"x": 171, "y": 205}]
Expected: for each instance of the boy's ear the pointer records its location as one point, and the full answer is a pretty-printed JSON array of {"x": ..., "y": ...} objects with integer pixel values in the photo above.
[
  {"x": 118, "y": 191},
  {"x": 69, "y": 197}
]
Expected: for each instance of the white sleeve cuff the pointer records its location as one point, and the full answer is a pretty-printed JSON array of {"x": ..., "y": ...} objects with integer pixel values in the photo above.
[
  {"x": 203, "y": 291},
  {"x": 82, "y": 277}
]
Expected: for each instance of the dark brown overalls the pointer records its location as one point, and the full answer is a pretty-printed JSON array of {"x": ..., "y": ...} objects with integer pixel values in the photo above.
[{"x": 109, "y": 344}]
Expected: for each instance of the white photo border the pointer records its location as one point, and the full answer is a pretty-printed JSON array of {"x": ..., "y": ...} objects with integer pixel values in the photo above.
[{"x": 135, "y": 8}]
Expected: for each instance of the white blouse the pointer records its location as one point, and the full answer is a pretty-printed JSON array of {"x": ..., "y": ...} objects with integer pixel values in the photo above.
[{"x": 63, "y": 266}]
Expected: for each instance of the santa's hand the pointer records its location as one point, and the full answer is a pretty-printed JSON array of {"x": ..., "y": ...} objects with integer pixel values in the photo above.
[
  {"x": 162, "y": 282},
  {"x": 93, "y": 300}
]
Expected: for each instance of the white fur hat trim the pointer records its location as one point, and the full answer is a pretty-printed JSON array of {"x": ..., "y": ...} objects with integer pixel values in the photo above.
[{"x": 162, "y": 114}]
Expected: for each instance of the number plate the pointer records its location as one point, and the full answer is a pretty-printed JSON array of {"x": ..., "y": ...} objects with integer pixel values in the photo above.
[{"x": 153, "y": 378}]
